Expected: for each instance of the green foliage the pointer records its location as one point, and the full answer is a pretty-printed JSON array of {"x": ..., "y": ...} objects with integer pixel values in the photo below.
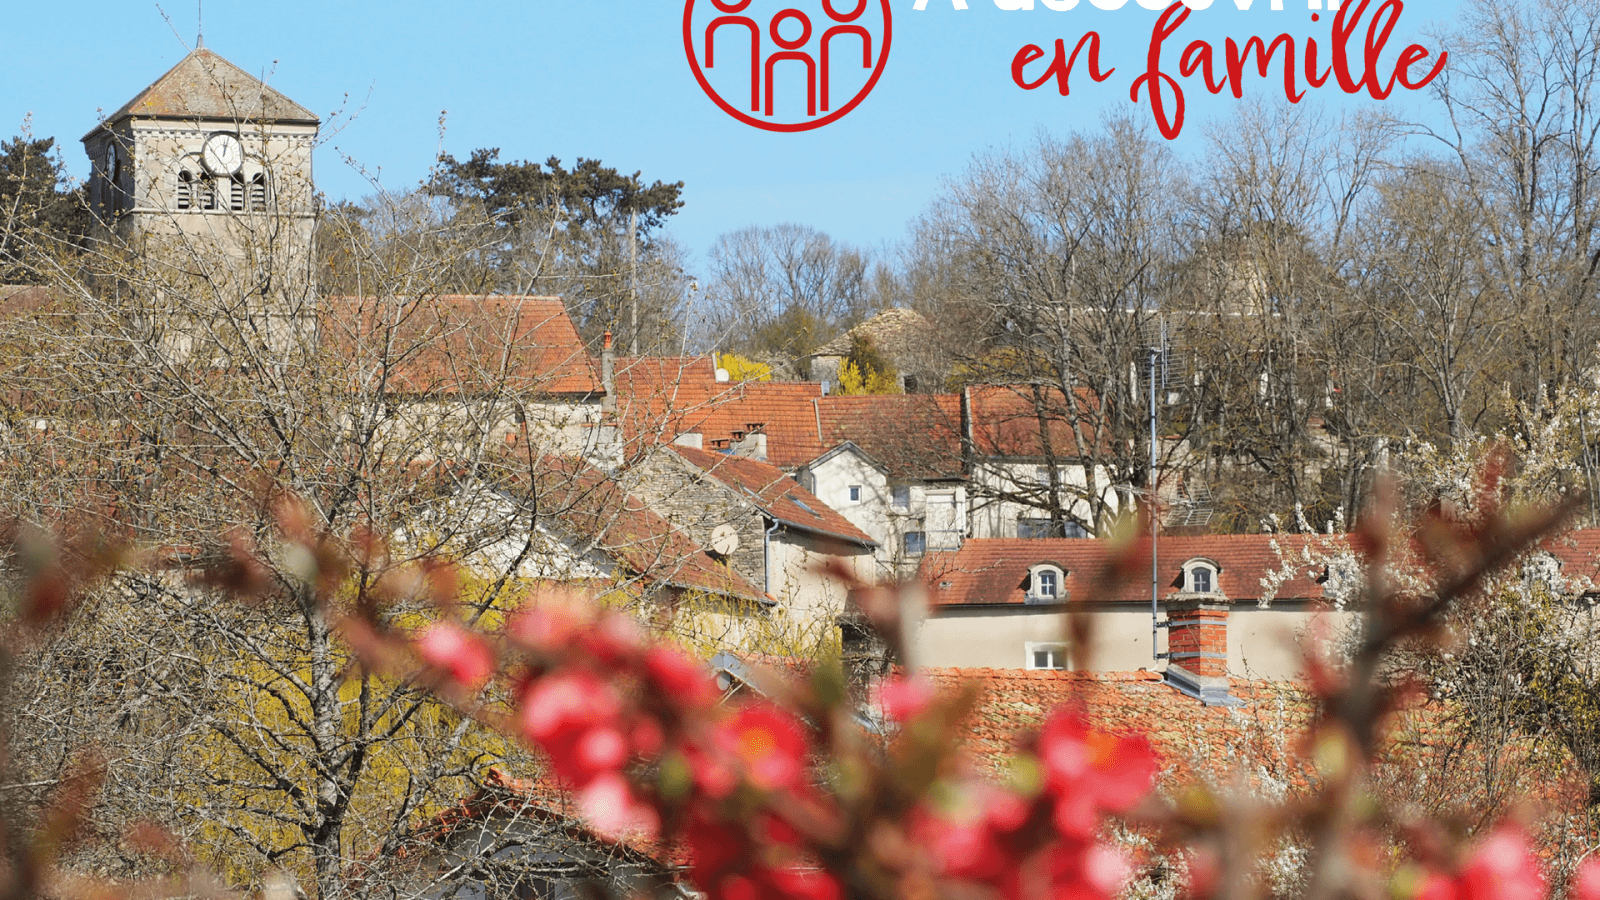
[
  {"x": 866, "y": 370},
  {"x": 36, "y": 207},
  {"x": 589, "y": 196},
  {"x": 794, "y": 333},
  {"x": 588, "y": 234}
]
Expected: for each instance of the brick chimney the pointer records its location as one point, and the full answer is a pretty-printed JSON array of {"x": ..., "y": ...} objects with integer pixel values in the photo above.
[{"x": 1197, "y": 647}]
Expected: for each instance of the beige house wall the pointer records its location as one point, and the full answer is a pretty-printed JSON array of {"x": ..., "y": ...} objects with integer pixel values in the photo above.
[
  {"x": 995, "y": 518},
  {"x": 1262, "y": 643},
  {"x": 876, "y": 514},
  {"x": 800, "y": 582}
]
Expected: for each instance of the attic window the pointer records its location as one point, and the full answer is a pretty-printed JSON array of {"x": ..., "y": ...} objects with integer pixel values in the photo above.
[
  {"x": 1046, "y": 583},
  {"x": 802, "y": 504},
  {"x": 1200, "y": 577},
  {"x": 855, "y": 493}
]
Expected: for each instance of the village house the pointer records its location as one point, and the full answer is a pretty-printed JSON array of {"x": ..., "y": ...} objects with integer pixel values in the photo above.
[{"x": 759, "y": 522}]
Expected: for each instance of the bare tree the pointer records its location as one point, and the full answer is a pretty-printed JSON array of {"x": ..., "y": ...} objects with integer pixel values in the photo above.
[
  {"x": 778, "y": 293},
  {"x": 1053, "y": 266}
]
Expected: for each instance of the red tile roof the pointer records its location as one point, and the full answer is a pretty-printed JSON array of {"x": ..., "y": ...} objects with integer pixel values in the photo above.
[
  {"x": 776, "y": 494},
  {"x": 659, "y": 398},
  {"x": 594, "y": 507},
  {"x": 1005, "y": 419},
  {"x": 463, "y": 344},
  {"x": 912, "y": 435},
  {"x": 995, "y": 570}
]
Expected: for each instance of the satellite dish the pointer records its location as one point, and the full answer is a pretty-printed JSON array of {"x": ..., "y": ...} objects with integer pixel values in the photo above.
[{"x": 724, "y": 539}]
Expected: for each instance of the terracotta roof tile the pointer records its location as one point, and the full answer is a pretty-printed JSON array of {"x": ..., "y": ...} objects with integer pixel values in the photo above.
[
  {"x": 585, "y": 501},
  {"x": 1005, "y": 419},
  {"x": 463, "y": 343},
  {"x": 659, "y": 398},
  {"x": 1193, "y": 740},
  {"x": 912, "y": 435},
  {"x": 995, "y": 570},
  {"x": 776, "y": 494}
]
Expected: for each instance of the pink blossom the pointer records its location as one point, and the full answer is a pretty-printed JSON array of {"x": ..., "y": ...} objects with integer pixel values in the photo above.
[
  {"x": 903, "y": 699},
  {"x": 467, "y": 658},
  {"x": 770, "y": 743},
  {"x": 1586, "y": 881},
  {"x": 610, "y": 806},
  {"x": 1503, "y": 868}
]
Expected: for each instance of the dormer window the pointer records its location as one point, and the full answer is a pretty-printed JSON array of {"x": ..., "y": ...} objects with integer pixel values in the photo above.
[
  {"x": 1200, "y": 577},
  {"x": 1046, "y": 584}
]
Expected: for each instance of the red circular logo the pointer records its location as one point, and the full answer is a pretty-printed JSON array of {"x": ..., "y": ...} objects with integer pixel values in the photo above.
[{"x": 794, "y": 66}]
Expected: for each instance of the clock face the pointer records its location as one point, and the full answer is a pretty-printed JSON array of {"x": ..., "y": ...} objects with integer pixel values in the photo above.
[
  {"x": 111, "y": 161},
  {"x": 222, "y": 155}
]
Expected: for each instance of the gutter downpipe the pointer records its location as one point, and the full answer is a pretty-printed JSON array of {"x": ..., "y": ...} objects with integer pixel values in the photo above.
[
  {"x": 1155, "y": 534},
  {"x": 766, "y": 556}
]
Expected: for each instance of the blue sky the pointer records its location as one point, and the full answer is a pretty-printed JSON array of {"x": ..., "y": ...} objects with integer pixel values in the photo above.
[{"x": 610, "y": 80}]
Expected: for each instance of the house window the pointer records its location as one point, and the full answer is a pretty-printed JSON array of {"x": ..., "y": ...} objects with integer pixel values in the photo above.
[
  {"x": 855, "y": 493},
  {"x": 1031, "y": 527},
  {"x": 185, "y": 189},
  {"x": 1046, "y": 656},
  {"x": 1200, "y": 576},
  {"x": 1045, "y": 584},
  {"x": 900, "y": 496},
  {"x": 915, "y": 543},
  {"x": 236, "y": 193}
]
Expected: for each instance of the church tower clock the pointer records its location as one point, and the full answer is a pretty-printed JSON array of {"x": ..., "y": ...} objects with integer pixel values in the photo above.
[{"x": 211, "y": 164}]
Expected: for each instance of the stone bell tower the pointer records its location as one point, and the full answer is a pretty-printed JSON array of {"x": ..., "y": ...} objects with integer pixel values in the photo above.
[{"x": 210, "y": 169}]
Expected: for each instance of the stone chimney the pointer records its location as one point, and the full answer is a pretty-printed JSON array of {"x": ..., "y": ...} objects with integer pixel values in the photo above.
[
  {"x": 1197, "y": 647},
  {"x": 751, "y": 443},
  {"x": 608, "y": 373}
]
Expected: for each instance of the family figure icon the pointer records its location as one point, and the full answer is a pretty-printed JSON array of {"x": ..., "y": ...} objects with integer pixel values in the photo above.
[{"x": 782, "y": 47}]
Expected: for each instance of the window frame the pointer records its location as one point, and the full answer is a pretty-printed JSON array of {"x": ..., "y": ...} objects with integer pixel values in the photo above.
[
  {"x": 1037, "y": 574},
  {"x": 1192, "y": 570},
  {"x": 1057, "y": 648},
  {"x": 906, "y": 542},
  {"x": 900, "y": 497}
]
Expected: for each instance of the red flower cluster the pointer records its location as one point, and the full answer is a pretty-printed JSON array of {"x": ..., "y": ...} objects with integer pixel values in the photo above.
[
  {"x": 1039, "y": 837},
  {"x": 1503, "y": 867}
]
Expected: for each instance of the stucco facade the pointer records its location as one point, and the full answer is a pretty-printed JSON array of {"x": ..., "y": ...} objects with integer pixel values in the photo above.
[{"x": 1262, "y": 643}]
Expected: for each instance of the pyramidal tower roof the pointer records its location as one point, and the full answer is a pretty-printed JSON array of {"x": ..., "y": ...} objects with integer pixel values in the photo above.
[{"x": 205, "y": 86}]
